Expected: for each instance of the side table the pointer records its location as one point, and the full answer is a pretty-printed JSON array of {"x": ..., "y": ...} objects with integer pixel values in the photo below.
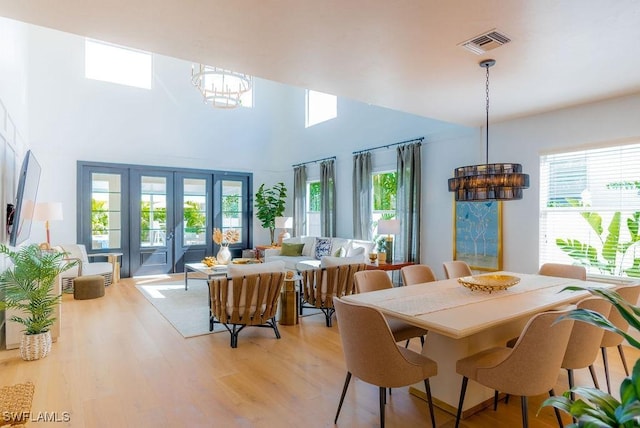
[
  {"x": 260, "y": 250},
  {"x": 390, "y": 267},
  {"x": 113, "y": 259},
  {"x": 289, "y": 301}
]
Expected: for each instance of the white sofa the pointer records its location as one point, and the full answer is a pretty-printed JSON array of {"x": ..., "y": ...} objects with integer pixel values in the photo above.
[{"x": 315, "y": 250}]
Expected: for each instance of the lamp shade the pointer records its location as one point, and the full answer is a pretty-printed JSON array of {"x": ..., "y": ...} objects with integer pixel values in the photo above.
[
  {"x": 284, "y": 222},
  {"x": 389, "y": 227},
  {"x": 48, "y": 211}
]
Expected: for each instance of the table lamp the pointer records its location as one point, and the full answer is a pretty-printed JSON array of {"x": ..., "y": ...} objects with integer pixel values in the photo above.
[
  {"x": 48, "y": 211},
  {"x": 284, "y": 223},
  {"x": 389, "y": 228}
]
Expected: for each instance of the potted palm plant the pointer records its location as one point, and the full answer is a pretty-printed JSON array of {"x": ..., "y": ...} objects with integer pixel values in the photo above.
[
  {"x": 597, "y": 408},
  {"x": 28, "y": 286},
  {"x": 270, "y": 204}
]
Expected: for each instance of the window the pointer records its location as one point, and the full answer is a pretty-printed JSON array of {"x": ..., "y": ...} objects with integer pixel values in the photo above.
[
  {"x": 320, "y": 108},
  {"x": 116, "y": 64},
  {"x": 313, "y": 208},
  {"x": 590, "y": 209},
  {"x": 383, "y": 196},
  {"x": 232, "y": 212},
  {"x": 106, "y": 213}
]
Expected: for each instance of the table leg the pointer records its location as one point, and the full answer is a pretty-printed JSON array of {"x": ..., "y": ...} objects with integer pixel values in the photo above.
[{"x": 186, "y": 277}]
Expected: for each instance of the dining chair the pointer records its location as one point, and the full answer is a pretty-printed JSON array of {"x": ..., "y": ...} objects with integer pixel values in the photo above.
[
  {"x": 563, "y": 270},
  {"x": 417, "y": 274},
  {"x": 456, "y": 269},
  {"x": 610, "y": 339},
  {"x": 321, "y": 285},
  {"x": 373, "y": 280},
  {"x": 372, "y": 355},
  {"x": 247, "y": 298},
  {"x": 529, "y": 368},
  {"x": 584, "y": 342}
]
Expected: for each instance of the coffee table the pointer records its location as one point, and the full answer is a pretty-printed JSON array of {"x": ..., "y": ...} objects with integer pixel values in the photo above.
[{"x": 201, "y": 268}]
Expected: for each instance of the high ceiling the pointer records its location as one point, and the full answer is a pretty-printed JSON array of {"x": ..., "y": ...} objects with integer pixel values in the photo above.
[{"x": 400, "y": 54}]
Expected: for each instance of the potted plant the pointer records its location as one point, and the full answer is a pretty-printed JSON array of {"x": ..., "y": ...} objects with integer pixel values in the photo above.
[
  {"x": 597, "y": 408},
  {"x": 28, "y": 287},
  {"x": 270, "y": 204}
]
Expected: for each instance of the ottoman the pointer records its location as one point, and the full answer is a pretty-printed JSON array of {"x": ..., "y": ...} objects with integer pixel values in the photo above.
[{"x": 88, "y": 287}]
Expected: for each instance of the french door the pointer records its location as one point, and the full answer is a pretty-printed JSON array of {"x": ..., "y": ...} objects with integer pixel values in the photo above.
[{"x": 160, "y": 218}]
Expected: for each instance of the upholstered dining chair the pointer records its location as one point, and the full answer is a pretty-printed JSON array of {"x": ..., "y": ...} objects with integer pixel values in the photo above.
[
  {"x": 248, "y": 296},
  {"x": 563, "y": 271},
  {"x": 529, "y": 368},
  {"x": 610, "y": 339},
  {"x": 584, "y": 342},
  {"x": 456, "y": 269},
  {"x": 320, "y": 286},
  {"x": 417, "y": 274},
  {"x": 371, "y": 354},
  {"x": 373, "y": 280}
]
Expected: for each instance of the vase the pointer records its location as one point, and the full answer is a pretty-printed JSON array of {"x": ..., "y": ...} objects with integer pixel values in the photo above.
[
  {"x": 224, "y": 255},
  {"x": 35, "y": 346}
]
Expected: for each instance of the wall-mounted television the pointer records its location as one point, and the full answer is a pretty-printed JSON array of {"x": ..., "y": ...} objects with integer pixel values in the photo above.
[{"x": 19, "y": 222}]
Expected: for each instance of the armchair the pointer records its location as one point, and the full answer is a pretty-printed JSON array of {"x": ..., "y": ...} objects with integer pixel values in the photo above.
[{"x": 84, "y": 267}]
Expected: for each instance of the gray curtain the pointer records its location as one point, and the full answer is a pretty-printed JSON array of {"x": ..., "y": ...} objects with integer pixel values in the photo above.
[
  {"x": 362, "y": 196},
  {"x": 408, "y": 202},
  {"x": 299, "y": 200},
  {"x": 328, "y": 198}
]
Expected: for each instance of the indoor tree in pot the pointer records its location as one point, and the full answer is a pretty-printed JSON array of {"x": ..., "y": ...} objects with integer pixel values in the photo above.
[
  {"x": 29, "y": 288},
  {"x": 597, "y": 408},
  {"x": 270, "y": 204}
]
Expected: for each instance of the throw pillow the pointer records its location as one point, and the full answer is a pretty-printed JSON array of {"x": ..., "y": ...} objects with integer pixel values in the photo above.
[
  {"x": 356, "y": 252},
  {"x": 294, "y": 250},
  {"x": 329, "y": 261},
  {"x": 323, "y": 247},
  {"x": 340, "y": 252}
]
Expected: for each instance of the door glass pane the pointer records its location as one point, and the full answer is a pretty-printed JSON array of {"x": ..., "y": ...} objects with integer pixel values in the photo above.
[
  {"x": 153, "y": 211},
  {"x": 232, "y": 204},
  {"x": 194, "y": 211},
  {"x": 106, "y": 215}
]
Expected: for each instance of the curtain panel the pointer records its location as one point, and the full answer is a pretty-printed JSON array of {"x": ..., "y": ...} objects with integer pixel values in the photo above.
[
  {"x": 362, "y": 196},
  {"x": 328, "y": 198},
  {"x": 408, "y": 202},
  {"x": 299, "y": 200}
]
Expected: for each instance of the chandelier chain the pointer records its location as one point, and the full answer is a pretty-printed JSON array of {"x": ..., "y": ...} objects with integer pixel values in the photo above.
[{"x": 487, "y": 118}]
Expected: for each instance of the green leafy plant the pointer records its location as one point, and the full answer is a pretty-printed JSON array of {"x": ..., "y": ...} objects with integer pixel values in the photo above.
[
  {"x": 28, "y": 286},
  {"x": 270, "y": 204},
  {"x": 195, "y": 220},
  {"x": 597, "y": 408},
  {"x": 609, "y": 255}
]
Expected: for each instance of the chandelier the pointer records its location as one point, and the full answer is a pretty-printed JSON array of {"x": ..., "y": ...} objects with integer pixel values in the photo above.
[
  {"x": 490, "y": 181},
  {"x": 222, "y": 88}
]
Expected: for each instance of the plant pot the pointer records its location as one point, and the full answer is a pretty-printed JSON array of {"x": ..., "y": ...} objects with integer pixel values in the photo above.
[
  {"x": 224, "y": 255},
  {"x": 382, "y": 257},
  {"x": 35, "y": 346}
]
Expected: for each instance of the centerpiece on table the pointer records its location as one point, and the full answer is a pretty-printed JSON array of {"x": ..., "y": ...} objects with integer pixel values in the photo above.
[{"x": 229, "y": 236}]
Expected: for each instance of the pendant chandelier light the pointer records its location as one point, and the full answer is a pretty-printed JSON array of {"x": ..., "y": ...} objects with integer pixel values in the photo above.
[
  {"x": 489, "y": 181},
  {"x": 222, "y": 88}
]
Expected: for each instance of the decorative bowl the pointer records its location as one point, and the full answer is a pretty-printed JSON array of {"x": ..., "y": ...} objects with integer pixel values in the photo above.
[{"x": 489, "y": 282}]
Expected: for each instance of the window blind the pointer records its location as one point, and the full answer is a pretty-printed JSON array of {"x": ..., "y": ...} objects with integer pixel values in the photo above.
[{"x": 590, "y": 209}]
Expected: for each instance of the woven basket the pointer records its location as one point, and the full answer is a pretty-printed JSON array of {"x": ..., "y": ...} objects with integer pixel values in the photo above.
[
  {"x": 35, "y": 346},
  {"x": 15, "y": 404}
]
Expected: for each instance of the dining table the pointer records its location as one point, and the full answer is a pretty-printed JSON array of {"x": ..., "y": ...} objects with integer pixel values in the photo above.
[{"x": 462, "y": 321}]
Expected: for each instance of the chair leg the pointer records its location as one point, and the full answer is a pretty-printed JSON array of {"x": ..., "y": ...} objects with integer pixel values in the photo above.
[
  {"x": 463, "y": 391},
  {"x": 624, "y": 360},
  {"x": 605, "y": 363},
  {"x": 495, "y": 400},
  {"x": 344, "y": 392},
  {"x": 506, "y": 399},
  {"x": 558, "y": 417},
  {"x": 525, "y": 412},
  {"x": 383, "y": 398},
  {"x": 406, "y": 345},
  {"x": 274, "y": 325},
  {"x": 422, "y": 341},
  {"x": 427, "y": 387},
  {"x": 594, "y": 377},
  {"x": 571, "y": 383}
]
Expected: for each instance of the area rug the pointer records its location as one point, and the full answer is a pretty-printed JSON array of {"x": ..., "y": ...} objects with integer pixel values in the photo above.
[{"x": 186, "y": 310}]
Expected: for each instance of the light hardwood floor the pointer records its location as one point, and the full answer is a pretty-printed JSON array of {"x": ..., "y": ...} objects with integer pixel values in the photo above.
[{"x": 119, "y": 363}]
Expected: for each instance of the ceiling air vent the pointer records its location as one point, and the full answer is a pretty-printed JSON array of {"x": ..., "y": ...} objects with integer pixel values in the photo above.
[{"x": 485, "y": 42}]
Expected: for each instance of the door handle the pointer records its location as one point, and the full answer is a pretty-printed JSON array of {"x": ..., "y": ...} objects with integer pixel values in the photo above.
[{"x": 170, "y": 236}]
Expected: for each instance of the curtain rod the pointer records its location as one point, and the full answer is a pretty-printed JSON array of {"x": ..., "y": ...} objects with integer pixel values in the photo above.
[
  {"x": 386, "y": 146},
  {"x": 313, "y": 161}
]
